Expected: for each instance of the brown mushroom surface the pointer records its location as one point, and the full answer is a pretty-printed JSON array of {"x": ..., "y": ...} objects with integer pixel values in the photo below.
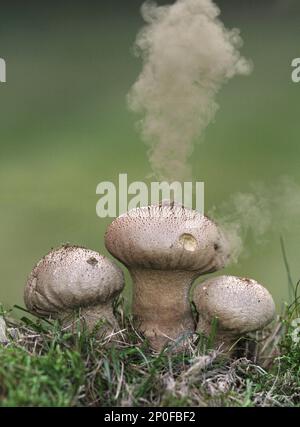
[
  {"x": 165, "y": 247},
  {"x": 73, "y": 278}
]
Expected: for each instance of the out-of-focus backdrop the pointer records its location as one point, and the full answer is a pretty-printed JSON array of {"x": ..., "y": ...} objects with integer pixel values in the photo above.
[{"x": 65, "y": 127}]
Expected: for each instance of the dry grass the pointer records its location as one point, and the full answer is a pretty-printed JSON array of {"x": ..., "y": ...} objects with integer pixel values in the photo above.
[{"x": 42, "y": 365}]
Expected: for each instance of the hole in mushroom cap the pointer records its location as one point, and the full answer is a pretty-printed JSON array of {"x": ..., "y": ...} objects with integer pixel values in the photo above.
[
  {"x": 92, "y": 261},
  {"x": 188, "y": 242}
]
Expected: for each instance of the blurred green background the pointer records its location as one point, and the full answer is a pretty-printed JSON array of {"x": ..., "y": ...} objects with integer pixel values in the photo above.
[{"x": 64, "y": 127}]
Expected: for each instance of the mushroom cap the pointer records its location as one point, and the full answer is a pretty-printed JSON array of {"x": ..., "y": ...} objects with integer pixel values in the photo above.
[
  {"x": 71, "y": 277},
  {"x": 240, "y": 304},
  {"x": 167, "y": 237}
]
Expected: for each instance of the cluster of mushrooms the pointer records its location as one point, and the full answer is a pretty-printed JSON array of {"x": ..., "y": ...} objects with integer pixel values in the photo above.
[{"x": 165, "y": 248}]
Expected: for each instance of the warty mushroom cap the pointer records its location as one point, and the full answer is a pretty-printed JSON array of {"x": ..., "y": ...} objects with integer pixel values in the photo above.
[
  {"x": 71, "y": 277},
  {"x": 167, "y": 237},
  {"x": 241, "y": 305}
]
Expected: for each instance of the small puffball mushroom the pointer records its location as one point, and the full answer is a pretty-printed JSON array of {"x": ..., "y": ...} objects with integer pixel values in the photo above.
[
  {"x": 165, "y": 247},
  {"x": 73, "y": 278},
  {"x": 240, "y": 305}
]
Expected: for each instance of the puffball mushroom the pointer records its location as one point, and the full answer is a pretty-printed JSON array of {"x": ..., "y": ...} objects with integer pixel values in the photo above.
[
  {"x": 240, "y": 305},
  {"x": 165, "y": 247},
  {"x": 72, "y": 278}
]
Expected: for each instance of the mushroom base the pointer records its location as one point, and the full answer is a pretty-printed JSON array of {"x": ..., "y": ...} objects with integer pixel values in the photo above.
[
  {"x": 98, "y": 319},
  {"x": 161, "y": 306},
  {"x": 226, "y": 341}
]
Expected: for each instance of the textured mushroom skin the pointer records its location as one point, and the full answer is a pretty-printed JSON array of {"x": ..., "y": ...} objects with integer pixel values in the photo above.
[
  {"x": 71, "y": 279},
  {"x": 167, "y": 238},
  {"x": 241, "y": 305},
  {"x": 165, "y": 249}
]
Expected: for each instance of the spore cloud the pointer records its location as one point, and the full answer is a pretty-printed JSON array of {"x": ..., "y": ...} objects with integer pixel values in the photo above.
[
  {"x": 258, "y": 213},
  {"x": 187, "y": 55}
]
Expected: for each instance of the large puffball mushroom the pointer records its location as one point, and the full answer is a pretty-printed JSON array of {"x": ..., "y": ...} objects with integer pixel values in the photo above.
[
  {"x": 73, "y": 279},
  {"x": 240, "y": 305},
  {"x": 165, "y": 247}
]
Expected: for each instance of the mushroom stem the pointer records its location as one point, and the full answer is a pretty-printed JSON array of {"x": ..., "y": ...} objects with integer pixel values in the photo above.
[
  {"x": 93, "y": 316},
  {"x": 222, "y": 340},
  {"x": 161, "y": 305}
]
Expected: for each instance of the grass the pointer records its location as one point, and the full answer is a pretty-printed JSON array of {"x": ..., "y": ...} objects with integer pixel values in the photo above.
[{"x": 43, "y": 365}]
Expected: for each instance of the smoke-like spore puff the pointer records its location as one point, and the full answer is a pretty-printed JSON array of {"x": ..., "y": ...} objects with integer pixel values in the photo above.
[{"x": 187, "y": 56}]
